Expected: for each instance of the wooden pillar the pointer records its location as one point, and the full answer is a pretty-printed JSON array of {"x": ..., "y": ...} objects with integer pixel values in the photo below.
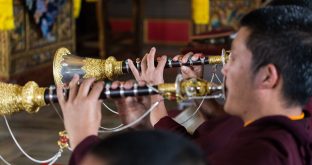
[
  {"x": 101, "y": 13},
  {"x": 137, "y": 15},
  {"x": 4, "y": 56}
]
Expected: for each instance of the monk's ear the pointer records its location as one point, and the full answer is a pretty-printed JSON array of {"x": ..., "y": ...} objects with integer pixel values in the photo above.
[{"x": 267, "y": 77}]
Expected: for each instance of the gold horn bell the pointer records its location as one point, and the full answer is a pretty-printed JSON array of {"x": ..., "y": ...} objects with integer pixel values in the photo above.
[{"x": 65, "y": 65}]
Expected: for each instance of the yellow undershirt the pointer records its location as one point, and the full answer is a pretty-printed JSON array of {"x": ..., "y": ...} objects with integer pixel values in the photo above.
[{"x": 298, "y": 117}]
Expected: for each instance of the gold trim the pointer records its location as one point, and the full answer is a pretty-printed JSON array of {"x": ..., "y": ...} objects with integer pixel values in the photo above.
[
  {"x": 111, "y": 62},
  {"x": 215, "y": 59},
  {"x": 168, "y": 90},
  {"x": 219, "y": 58},
  {"x": 102, "y": 69},
  {"x": 15, "y": 98},
  {"x": 57, "y": 67},
  {"x": 32, "y": 97},
  {"x": 195, "y": 87},
  {"x": 167, "y": 87}
]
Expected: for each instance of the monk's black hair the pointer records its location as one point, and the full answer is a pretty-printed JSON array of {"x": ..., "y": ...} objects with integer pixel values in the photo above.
[
  {"x": 147, "y": 147},
  {"x": 302, "y": 3},
  {"x": 282, "y": 35}
]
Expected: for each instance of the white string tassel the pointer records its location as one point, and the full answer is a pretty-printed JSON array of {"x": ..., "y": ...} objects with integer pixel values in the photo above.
[
  {"x": 190, "y": 117},
  {"x": 134, "y": 122},
  {"x": 57, "y": 156},
  {"x": 113, "y": 111},
  {"x": 110, "y": 129},
  {"x": 54, "y": 158},
  {"x": 4, "y": 161},
  {"x": 56, "y": 110}
]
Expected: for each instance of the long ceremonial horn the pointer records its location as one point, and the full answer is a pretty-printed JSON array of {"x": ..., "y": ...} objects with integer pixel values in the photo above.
[
  {"x": 65, "y": 65},
  {"x": 31, "y": 97}
]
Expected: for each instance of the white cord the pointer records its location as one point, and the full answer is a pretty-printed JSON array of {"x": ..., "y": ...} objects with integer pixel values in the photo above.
[
  {"x": 203, "y": 98},
  {"x": 54, "y": 158},
  {"x": 51, "y": 88},
  {"x": 212, "y": 77},
  {"x": 215, "y": 75},
  {"x": 154, "y": 89},
  {"x": 58, "y": 155},
  {"x": 5, "y": 162},
  {"x": 115, "y": 112},
  {"x": 121, "y": 126},
  {"x": 191, "y": 116},
  {"x": 220, "y": 95},
  {"x": 56, "y": 110},
  {"x": 110, "y": 129},
  {"x": 217, "y": 78},
  {"x": 134, "y": 122}
]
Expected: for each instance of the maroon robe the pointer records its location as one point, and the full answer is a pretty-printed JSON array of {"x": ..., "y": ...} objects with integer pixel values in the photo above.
[
  {"x": 211, "y": 136},
  {"x": 309, "y": 105},
  {"x": 270, "y": 140},
  {"x": 208, "y": 135},
  {"x": 275, "y": 140},
  {"x": 82, "y": 148}
]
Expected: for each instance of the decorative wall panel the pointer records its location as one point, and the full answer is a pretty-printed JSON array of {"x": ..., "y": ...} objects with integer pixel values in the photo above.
[{"x": 24, "y": 48}]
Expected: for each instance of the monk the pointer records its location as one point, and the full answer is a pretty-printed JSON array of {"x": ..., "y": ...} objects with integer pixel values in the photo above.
[
  {"x": 260, "y": 76},
  {"x": 260, "y": 86}
]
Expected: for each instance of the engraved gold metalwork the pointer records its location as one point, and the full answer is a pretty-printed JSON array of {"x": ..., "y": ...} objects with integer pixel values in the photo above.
[
  {"x": 168, "y": 90},
  {"x": 192, "y": 88},
  {"x": 65, "y": 65},
  {"x": 57, "y": 67},
  {"x": 30, "y": 97},
  {"x": 188, "y": 88},
  {"x": 63, "y": 141},
  {"x": 219, "y": 59},
  {"x": 102, "y": 69},
  {"x": 97, "y": 68},
  {"x": 195, "y": 87},
  {"x": 215, "y": 60},
  {"x": 15, "y": 98}
]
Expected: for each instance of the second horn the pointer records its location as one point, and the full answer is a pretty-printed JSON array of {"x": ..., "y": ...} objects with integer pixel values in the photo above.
[{"x": 65, "y": 65}]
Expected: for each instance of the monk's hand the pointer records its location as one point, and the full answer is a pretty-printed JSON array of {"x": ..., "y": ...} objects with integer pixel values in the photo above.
[
  {"x": 150, "y": 73},
  {"x": 131, "y": 108},
  {"x": 82, "y": 109},
  {"x": 195, "y": 71}
]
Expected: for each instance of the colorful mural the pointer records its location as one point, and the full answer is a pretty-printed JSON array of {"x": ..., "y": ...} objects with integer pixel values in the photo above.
[
  {"x": 226, "y": 13},
  {"x": 25, "y": 48}
]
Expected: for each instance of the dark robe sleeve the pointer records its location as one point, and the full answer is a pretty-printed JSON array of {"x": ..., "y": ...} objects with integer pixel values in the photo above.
[
  {"x": 167, "y": 123},
  {"x": 260, "y": 152},
  {"x": 309, "y": 105},
  {"x": 82, "y": 149}
]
